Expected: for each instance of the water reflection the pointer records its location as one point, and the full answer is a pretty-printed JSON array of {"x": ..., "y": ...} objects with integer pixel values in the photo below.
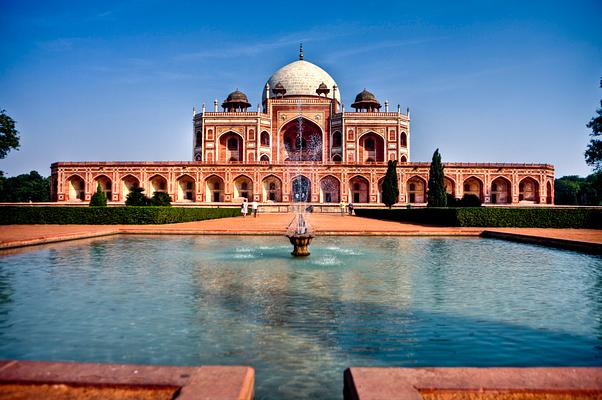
[{"x": 354, "y": 301}]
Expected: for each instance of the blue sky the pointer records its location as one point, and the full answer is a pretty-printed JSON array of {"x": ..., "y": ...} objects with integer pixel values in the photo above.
[{"x": 499, "y": 81}]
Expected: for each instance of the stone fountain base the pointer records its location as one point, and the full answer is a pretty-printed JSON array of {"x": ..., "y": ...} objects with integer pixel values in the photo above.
[{"x": 300, "y": 244}]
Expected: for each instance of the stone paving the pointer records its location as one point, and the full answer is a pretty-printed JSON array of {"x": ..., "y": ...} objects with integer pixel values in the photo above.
[{"x": 12, "y": 236}]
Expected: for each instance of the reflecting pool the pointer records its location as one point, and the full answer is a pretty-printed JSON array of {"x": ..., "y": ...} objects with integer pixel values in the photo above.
[{"x": 356, "y": 301}]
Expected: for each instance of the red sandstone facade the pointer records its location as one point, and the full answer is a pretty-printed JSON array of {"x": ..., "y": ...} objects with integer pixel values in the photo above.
[{"x": 300, "y": 145}]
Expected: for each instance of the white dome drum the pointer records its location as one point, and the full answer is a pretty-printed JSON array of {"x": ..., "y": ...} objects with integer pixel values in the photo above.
[{"x": 301, "y": 78}]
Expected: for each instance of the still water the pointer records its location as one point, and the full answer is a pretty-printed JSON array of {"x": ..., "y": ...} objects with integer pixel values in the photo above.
[{"x": 356, "y": 301}]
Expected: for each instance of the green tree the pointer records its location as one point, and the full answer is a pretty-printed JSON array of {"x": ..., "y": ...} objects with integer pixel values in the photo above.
[
  {"x": 24, "y": 188},
  {"x": 137, "y": 198},
  {"x": 9, "y": 136},
  {"x": 575, "y": 190},
  {"x": 99, "y": 199},
  {"x": 390, "y": 185},
  {"x": 161, "y": 199},
  {"x": 593, "y": 154},
  {"x": 437, "y": 197}
]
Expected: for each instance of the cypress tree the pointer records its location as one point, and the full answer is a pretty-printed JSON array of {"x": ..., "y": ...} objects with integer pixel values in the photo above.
[
  {"x": 437, "y": 197},
  {"x": 390, "y": 185},
  {"x": 99, "y": 199}
]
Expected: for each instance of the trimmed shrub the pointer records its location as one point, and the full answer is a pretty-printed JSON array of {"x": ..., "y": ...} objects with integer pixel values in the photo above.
[
  {"x": 137, "y": 198},
  {"x": 494, "y": 217},
  {"x": 99, "y": 199},
  {"x": 469, "y": 200},
  {"x": 110, "y": 215},
  {"x": 161, "y": 199}
]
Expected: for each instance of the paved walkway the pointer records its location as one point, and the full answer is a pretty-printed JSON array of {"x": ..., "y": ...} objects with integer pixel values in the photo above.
[{"x": 12, "y": 236}]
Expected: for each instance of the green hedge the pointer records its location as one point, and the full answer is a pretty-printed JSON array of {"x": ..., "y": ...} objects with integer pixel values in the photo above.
[
  {"x": 110, "y": 215},
  {"x": 498, "y": 217}
]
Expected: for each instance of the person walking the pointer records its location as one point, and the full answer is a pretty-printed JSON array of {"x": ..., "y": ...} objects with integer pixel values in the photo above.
[
  {"x": 254, "y": 207},
  {"x": 342, "y": 206},
  {"x": 350, "y": 208},
  {"x": 244, "y": 208}
]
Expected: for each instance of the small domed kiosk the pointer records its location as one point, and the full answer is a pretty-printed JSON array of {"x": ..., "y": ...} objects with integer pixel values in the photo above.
[
  {"x": 236, "y": 101},
  {"x": 366, "y": 101}
]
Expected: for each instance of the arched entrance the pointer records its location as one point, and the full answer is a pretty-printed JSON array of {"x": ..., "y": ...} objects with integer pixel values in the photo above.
[
  {"x": 330, "y": 189},
  {"x": 157, "y": 184},
  {"x": 528, "y": 191},
  {"x": 473, "y": 186},
  {"x": 301, "y": 189},
  {"x": 301, "y": 141},
  {"x": 77, "y": 188},
  {"x": 214, "y": 189},
  {"x": 243, "y": 187},
  {"x": 372, "y": 148},
  {"x": 416, "y": 189},
  {"x": 128, "y": 183},
  {"x": 105, "y": 185},
  {"x": 186, "y": 188},
  {"x": 272, "y": 189},
  {"x": 230, "y": 147},
  {"x": 359, "y": 189},
  {"x": 500, "y": 191}
]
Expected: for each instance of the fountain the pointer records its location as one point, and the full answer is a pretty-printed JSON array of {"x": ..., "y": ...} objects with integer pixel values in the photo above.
[
  {"x": 300, "y": 235},
  {"x": 299, "y": 231}
]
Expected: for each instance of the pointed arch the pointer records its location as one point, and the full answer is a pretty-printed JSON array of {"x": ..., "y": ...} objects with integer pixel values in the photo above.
[
  {"x": 337, "y": 139},
  {"x": 528, "y": 190},
  {"x": 416, "y": 189},
  {"x": 264, "y": 139},
  {"x": 549, "y": 193},
  {"x": 272, "y": 188},
  {"x": 473, "y": 186},
  {"x": 330, "y": 189},
  {"x": 76, "y": 188},
  {"x": 300, "y": 188},
  {"x": 128, "y": 182},
  {"x": 214, "y": 189},
  {"x": 371, "y": 147},
  {"x": 359, "y": 189},
  {"x": 501, "y": 190},
  {"x": 307, "y": 146},
  {"x": 186, "y": 185},
  {"x": 243, "y": 187},
  {"x": 106, "y": 185},
  {"x": 231, "y": 146},
  {"x": 403, "y": 139},
  {"x": 157, "y": 183}
]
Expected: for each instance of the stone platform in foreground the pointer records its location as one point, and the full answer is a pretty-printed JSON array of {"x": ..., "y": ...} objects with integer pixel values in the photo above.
[
  {"x": 68, "y": 380},
  {"x": 13, "y": 236},
  {"x": 472, "y": 383}
]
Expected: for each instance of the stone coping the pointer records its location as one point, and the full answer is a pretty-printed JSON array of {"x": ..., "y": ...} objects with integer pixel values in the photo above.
[
  {"x": 201, "y": 382},
  {"x": 471, "y": 383}
]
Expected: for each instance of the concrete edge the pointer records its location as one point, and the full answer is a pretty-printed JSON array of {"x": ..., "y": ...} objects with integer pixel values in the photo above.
[
  {"x": 408, "y": 383},
  {"x": 55, "y": 239},
  {"x": 199, "y": 382},
  {"x": 566, "y": 244}
]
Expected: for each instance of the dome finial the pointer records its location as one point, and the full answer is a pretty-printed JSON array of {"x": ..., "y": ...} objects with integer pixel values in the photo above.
[{"x": 301, "y": 51}]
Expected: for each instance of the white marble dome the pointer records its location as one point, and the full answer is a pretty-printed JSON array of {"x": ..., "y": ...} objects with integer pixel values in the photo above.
[{"x": 301, "y": 78}]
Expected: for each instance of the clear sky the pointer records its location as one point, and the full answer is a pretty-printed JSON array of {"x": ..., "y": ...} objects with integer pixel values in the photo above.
[{"x": 499, "y": 81}]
